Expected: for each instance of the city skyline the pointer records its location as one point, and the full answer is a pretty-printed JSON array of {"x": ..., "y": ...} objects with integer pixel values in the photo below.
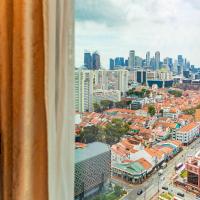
[{"x": 170, "y": 27}]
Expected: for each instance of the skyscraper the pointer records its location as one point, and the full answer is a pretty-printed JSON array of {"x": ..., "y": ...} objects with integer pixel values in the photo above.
[
  {"x": 112, "y": 64},
  {"x": 148, "y": 59},
  {"x": 157, "y": 60},
  {"x": 119, "y": 61},
  {"x": 138, "y": 61},
  {"x": 96, "y": 61},
  {"x": 169, "y": 62},
  {"x": 180, "y": 60},
  {"x": 131, "y": 61},
  {"x": 87, "y": 59},
  {"x": 180, "y": 64},
  {"x": 126, "y": 63},
  {"x": 152, "y": 63}
]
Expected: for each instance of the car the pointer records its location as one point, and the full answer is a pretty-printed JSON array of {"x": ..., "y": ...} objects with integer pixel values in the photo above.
[
  {"x": 180, "y": 194},
  {"x": 165, "y": 188},
  {"x": 139, "y": 192}
]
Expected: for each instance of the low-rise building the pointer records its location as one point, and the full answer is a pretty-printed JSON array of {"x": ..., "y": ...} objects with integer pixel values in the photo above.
[
  {"x": 192, "y": 167},
  {"x": 187, "y": 133},
  {"x": 134, "y": 172},
  {"x": 92, "y": 168},
  {"x": 171, "y": 112}
]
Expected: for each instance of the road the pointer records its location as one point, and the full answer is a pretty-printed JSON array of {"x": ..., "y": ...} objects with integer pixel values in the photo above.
[{"x": 155, "y": 182}]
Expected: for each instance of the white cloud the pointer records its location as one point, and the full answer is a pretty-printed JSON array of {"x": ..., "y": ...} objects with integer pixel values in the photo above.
[{"x": 172, "y": 27}]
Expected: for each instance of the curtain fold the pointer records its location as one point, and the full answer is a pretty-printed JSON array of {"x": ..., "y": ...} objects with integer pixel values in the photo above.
[
  {"x": 36, "y": 100},
  {"x": 59, "y": 28}
]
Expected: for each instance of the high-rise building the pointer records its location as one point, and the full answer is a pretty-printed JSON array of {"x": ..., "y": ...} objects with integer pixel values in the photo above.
[
  {"x": 87, "y": 60},
  {"x": 168, "y": 62},
  {"x": 138, "y": 61},
  {"x": 111, "y": 79},
  {"x": 112, "y": 64},
  {"x": 175, "y": 66},
  {"x": 84, "y": 90},
  {"x": 157, "y": 60},
  {"x": 96, "y": 61},
  {"x": 126, "y": 63},
  {"x": 119, "y": 61},
  {"x": 148, "y": 59},
  {"x": 131, "y": 60},
  {"x": 141, "y": 76},
  {"x": 180, "y": 60},
  {"x": 153, "y": 63}
]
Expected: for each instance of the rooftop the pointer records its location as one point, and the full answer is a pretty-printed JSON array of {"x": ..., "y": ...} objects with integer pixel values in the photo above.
[
  {"x": 132, "y": 167},
  {"x": 188, "y": 127},
  {"x": 90, "y": 151}
]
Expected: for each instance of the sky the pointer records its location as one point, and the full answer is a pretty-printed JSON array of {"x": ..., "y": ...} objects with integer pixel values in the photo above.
[{"x": 113, "y": 27}]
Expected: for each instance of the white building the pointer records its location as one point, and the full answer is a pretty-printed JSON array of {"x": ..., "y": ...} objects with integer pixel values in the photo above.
[
  {"x": 84, "y": 90},
  {"x": 111, "y": 79},
  {"x": 171, "y": 112},
  {"x": 112, "y": 95},
  {"x": 187, "y": 133}
]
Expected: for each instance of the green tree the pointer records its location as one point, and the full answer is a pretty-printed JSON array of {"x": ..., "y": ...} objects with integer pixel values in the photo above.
[
  {"x": 122, "y": 104},
  {"x": 151, "y": 110},
  {"x": 89, "y": 134},
  {"x": 106, "y": 104},
  {"x": 96, "y": 107},
  {"x": 115, "y": 130},
  {"x": 176, "y": 93},
  {"x": 118, "y": 190},
  {"x": 100, "y": 197},
  {"x": 130, "y": 92}
]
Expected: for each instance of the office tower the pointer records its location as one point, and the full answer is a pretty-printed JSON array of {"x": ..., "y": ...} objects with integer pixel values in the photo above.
[
  {"x": 87, "y": 60},
  {"x": 180, "y": 64},
  {"x": 122, "y": 61},
  {"x": 168, "y": 62},
  {"x": 148, "y": 59},
  {"x": 131, "y": 61},
  {"x": 112, "y": 64},
  {"x": 84, "y": 90},
  {"x": 157, "y": 60},
  {"x": 186, "y": 73},
  {"x": 126, "y": 63},
  {"x": 175, "y": 66},
  {"x": 138, "y": 61},
  {"x": 119, "y": 61},
  {"x": 188, "y": 65},
  {"x": 153, "y": 63},
  {"x": 180, "y": 60},
  {"x": 96, "y": 60}
]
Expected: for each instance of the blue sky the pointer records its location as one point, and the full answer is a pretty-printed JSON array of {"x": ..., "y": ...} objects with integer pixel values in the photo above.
[{"x": 113, "y": 27}]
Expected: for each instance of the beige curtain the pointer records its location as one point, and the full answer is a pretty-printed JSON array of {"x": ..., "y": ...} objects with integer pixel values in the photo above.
[
  {"x": 60, "y": 104},
  {"x": 36, "y": 99}
]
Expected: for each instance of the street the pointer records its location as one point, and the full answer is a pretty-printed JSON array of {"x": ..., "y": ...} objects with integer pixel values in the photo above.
[{"x": 155, "y": 183}]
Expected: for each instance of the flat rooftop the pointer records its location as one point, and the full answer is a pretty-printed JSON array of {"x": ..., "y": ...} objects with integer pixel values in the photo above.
[{"x": 91, "y": 150}]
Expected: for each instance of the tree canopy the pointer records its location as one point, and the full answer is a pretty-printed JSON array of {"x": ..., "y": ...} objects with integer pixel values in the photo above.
[
  {"x": 176, "y": 93},
  {"x": 151, "y": 110},
  {"x": 110, "y": 134}
]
